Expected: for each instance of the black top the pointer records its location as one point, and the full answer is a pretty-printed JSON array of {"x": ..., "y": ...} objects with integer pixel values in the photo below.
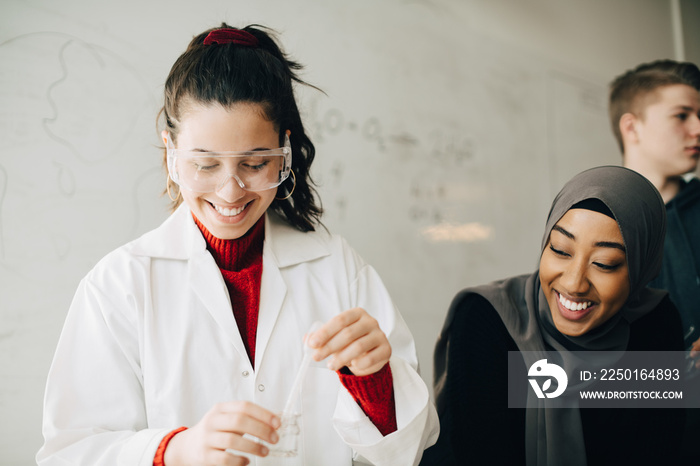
[
  {"x": 680, "y": 271},
  {"x": 680, "y": 275},
  {"x": 478, "y": 428}
]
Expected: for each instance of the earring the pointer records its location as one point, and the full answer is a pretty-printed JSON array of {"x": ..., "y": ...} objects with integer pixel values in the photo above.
[
  {"x": 294, "y": 178},
  {"x": 167, "y": 189}
]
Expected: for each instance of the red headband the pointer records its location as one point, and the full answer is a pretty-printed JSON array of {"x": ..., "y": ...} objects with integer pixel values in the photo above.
[{"x": 230, "y": 35}]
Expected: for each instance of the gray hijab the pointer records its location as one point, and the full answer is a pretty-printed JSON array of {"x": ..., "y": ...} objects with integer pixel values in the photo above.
[{"x": 555, "y": 436}]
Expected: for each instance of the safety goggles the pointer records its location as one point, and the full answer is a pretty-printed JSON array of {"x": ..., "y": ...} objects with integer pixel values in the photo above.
[{"x": 206, "y": 172}]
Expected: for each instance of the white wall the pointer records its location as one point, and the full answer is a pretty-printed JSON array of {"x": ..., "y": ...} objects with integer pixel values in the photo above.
[
  {"x": 690, "y": 18},
  {"x": 443, "y": 117}
]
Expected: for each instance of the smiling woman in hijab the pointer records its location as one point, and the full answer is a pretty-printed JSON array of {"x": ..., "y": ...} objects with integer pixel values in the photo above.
[{"x": 602, "y": 244}]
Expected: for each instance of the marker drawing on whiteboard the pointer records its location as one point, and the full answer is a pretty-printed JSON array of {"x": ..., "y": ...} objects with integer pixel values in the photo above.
[
  {"x": 334, "y": 121},
  {"x": 337, "y": 172},
  {"x": 77, "y": 59},
  {"x": 65, "y": 179},
  {"x": 342, "y": 205},
  {"x": 372, "y": 131},
  {"x": 47, "y": 122}
]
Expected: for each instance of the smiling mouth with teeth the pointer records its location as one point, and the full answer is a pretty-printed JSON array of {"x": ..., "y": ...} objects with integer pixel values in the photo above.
[
  {"x": 573, "y": 306},
  {"x": 229, "y": 212}
]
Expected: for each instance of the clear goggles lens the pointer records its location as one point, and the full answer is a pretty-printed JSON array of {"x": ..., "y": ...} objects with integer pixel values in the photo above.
[{"x": 206, "y": 172}]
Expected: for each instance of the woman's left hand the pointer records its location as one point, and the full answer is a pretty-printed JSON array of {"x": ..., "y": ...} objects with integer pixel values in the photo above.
[{"x": 353, "y": 339}]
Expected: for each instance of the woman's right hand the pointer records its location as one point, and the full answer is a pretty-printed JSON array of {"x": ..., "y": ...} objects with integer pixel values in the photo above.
[{"x": 220, "y": 429}]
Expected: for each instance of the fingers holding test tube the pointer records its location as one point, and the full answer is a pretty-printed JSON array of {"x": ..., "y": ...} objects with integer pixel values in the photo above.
[
  {"x": 221, "y": 429},
  {"x": 353, "y": 339}
]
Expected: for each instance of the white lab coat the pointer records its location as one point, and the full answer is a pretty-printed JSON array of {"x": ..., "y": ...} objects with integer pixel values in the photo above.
[{"x": 150, "y": 344}]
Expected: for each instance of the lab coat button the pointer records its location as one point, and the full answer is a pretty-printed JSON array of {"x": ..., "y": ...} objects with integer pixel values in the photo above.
[
  {"x": 245, "y": 373},
  {"x": 261, "y": 387}
]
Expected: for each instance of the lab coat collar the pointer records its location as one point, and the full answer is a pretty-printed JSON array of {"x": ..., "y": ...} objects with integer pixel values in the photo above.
[
  {"x": 179, "y": 238},
  {"x": 171, "y": 239},
  {"x": 290, "y": 246}
]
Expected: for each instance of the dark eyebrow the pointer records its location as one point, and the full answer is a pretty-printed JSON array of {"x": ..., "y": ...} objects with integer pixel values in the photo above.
[
  {"x": 611, "y": 244},
  {"x": 563, "y": 232},
  {"x": 599, "y": 244},
  {"x": 685, "y": 108}
]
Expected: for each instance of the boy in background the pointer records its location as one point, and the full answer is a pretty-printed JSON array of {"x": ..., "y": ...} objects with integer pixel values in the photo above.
[{"x": 655, "y": 115}]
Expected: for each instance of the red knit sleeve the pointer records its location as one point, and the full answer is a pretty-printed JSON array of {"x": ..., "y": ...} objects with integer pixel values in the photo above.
[
  {"x": 374, "y": 393},
  {"x": 159, "y": 459}
]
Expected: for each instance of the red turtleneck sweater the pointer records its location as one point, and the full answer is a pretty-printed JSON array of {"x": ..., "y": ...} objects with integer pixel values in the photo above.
[{"x": 240, "y": 262}]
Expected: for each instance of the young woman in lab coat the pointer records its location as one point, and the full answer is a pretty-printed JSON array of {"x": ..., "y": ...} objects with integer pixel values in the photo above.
[{"x": 181, "y": 345}]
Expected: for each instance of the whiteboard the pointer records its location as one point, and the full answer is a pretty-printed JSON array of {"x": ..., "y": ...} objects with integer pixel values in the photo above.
[{"x": 445, "y": 130}]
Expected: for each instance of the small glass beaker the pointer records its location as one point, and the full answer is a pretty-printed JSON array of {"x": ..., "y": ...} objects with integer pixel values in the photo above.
[{"x": 288, "y": 432}]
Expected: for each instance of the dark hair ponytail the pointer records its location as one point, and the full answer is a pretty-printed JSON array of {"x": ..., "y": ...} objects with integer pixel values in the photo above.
[{"x": 232, "y": 73}]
